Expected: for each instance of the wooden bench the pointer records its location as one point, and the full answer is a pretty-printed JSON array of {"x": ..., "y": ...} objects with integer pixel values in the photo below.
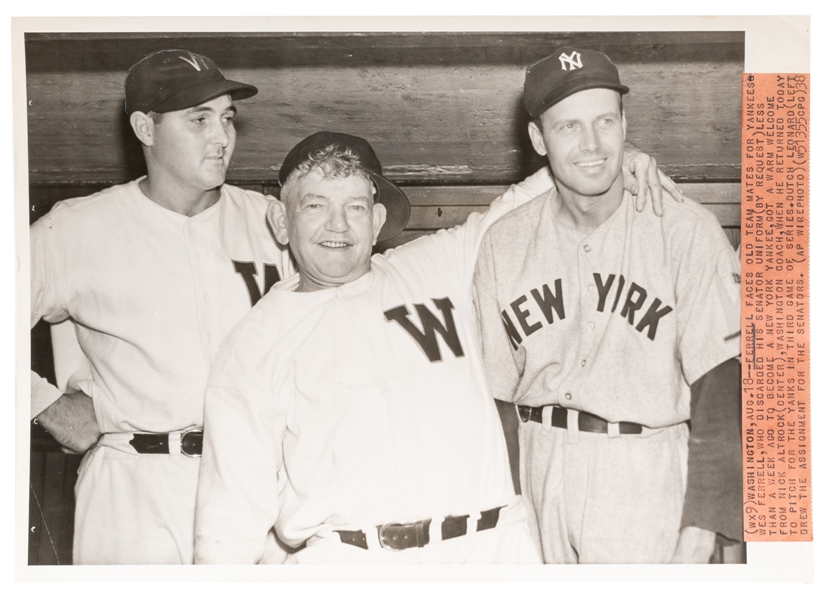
[{"x": 442, "y": 110}]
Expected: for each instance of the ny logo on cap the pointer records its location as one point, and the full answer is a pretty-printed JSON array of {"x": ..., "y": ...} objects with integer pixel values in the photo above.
[
  {"x": 195, "y": 60},
  {"x": 573, "y": 59}
]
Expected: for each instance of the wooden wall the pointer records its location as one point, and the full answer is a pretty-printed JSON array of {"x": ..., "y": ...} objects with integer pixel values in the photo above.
[{"x": 442, "y": 110}]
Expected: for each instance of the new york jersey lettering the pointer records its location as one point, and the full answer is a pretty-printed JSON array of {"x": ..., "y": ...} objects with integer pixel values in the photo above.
[
  {"x": 248, "y": 272},
  {"x": 523, "y": 318},
  {"x": 635, "y": 300},
  {"x": 426, "y": 338}
]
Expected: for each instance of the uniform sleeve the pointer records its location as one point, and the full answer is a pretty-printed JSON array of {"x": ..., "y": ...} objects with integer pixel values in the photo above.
[
  {"x": 713, "y": 500},
  {"x": 453, "y": 252},
  {"x": 45, "y": 303},
  {"x": 501, "y": 371},
  {"x": 239, "y": 482},
  {"x": 708, "y": 308},
  {"x": 477, "y": 223}
]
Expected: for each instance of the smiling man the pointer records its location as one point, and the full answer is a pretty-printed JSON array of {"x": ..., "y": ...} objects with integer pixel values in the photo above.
[
  {"x": 612, "y": 330},
  {"x": 349, "y": 411},
  {"x": 152, "y": 274}
]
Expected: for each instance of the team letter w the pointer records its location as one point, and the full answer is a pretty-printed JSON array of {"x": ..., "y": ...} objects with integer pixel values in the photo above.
[{"x": 427, "y": 338}]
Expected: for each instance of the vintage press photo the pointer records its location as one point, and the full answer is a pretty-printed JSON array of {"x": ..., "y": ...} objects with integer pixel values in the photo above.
[{"x": 444, "y": 112}]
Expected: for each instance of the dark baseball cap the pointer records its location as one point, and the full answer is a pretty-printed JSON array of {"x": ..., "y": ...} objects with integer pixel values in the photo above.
[
  {"x": 564, "y": 72},
  {"x": 397, "y": 208},
  {"x": 170, "y": 80}
]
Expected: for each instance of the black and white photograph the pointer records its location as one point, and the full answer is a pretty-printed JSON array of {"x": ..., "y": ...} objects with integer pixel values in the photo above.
[{"x": 383, "y": 296}]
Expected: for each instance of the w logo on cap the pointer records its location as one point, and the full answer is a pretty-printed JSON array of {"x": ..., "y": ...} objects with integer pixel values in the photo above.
[
  {"x": 574, "y": 60},
  {"x": 194, "y": 60}
]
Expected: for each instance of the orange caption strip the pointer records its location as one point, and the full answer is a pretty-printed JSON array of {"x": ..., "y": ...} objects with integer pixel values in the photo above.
[{"x": 775, "y": 307}]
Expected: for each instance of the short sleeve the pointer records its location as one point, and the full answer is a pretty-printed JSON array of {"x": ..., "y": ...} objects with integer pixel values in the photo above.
[
  {"x": 501, "y": 371},
  {"x": 709, "y": 312}
]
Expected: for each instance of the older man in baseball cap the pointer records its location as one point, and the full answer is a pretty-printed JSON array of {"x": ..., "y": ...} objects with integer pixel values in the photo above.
[
  {"x": 151, "y": 274},
  {"x": 349, "y": 410},
  {"x": 612, "y": 330}
]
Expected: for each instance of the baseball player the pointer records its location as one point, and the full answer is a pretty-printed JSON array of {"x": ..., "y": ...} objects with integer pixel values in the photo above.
[
  {"x": 349, "y": 409},
  {"x": 610, "y": 329},
  {"x": 152, "y": 274}
]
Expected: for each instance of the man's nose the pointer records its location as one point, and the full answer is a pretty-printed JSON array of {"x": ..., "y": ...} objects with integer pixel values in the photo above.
[
  {"x": 590, "y": 141},
  {"x": 336, "y": 219},
  {"x": 220, "y": 135}
]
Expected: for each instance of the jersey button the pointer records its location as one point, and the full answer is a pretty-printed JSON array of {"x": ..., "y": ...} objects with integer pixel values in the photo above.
[
  {"x": 590, "y": 325},
  {"x": 587, "y": 248},
  {"x": 591, "y": 288},
  {"x": 568, "y": 396},
  {"x": 583, "y": 363}
]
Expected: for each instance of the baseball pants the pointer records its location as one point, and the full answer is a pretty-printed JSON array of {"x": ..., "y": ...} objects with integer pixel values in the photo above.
[
  {"x": 135, "y": 508},
  {"x": 603, "y": 497},
  {"x": 510, "y": 542}
]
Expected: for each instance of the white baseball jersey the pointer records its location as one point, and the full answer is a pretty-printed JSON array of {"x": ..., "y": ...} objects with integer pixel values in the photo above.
[
  {"x": 152, "y": 294},
  {"x": 356, "y": 406},
  {"x": 618, "y": 322}
]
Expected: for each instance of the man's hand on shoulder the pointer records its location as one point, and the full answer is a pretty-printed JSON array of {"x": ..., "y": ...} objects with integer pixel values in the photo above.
[
  {"x": 644, "y": 179},
  {"x": 71, "y": 421},
  {"x": 695, "y": 546}
]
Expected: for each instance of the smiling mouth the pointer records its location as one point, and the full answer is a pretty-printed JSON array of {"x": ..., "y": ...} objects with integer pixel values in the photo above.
[
  {"x": 591, "y": 163},
  {"x": 334, "y": 245}
]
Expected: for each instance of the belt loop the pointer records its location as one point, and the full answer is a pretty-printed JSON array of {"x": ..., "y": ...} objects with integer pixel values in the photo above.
[
  {"x": 175, "y": 444},
  {"x": 471, "y": 524},
  {"x": 572, "y": 426},
  {"x": 613, "y": 431},
  {"x": 546, "y": 417},
  {"x": 372, "y": 538},
  {"x": 435, "y": 529}
]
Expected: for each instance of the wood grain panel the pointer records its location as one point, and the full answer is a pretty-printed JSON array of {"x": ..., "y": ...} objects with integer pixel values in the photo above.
[
  {"x": 439, "y": 108},
  {"x": 437, "y": 217}
]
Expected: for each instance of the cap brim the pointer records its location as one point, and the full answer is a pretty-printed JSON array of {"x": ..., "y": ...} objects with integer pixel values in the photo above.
[
  {"x": 204, "y": 92},
  {"x": 397, "y": 207},
  {"x": 573, "y": 87}
]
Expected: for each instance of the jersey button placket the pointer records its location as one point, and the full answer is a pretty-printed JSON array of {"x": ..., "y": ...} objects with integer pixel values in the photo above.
[
  {"x": 194, "y": 243},
  {"x": 587, "y": 303}
]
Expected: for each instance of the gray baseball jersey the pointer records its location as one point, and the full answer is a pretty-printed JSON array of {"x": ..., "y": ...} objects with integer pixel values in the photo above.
[{"x": 618, "y": 322}]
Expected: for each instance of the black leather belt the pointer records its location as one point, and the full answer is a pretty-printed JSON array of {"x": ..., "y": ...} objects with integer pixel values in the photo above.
[
  {"x": 401, "y": 536},
  {"x": 586, "y": 421},
  {"x": 159, "y": 443}
]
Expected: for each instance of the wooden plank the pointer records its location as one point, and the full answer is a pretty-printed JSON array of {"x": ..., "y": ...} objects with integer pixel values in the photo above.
[
  {"x": 42, "y": 197},
  {"x": 449, "y": 112},
  {"x": 51, "y": 52},
  {"x": 733, "y": 234},
  {"x": 707, "y": 193},
  {"x": 430, "y": 218}
]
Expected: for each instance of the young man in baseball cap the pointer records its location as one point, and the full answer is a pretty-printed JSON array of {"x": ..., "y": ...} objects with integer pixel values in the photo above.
[
  {"x": 349, "y": 410},
  {"x": 612, "y": 329},
  {"x": 152, "y": 274}
]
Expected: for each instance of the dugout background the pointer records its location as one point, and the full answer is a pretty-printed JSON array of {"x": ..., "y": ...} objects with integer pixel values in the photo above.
[{"x": 442, "y": 110}]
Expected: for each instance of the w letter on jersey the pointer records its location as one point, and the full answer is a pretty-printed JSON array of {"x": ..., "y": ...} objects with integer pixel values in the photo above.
[
  {"x": 427, "y": 338},
  {"x": 248, "y": 272}
]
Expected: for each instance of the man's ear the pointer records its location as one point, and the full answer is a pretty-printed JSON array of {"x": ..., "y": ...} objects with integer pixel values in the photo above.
[
  {"x": 379, "y": 215},
  {"x": 624, "y": 123},
  {"x": 143, "y": 126},
  {"x": 536, "y": 136},
  {"x": 277, "y": 218}
]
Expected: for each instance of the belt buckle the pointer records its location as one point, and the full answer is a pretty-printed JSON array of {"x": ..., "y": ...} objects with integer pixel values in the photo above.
[
  {"x": 382, "y": 529},
  {"x": 184, "y": 434}
]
